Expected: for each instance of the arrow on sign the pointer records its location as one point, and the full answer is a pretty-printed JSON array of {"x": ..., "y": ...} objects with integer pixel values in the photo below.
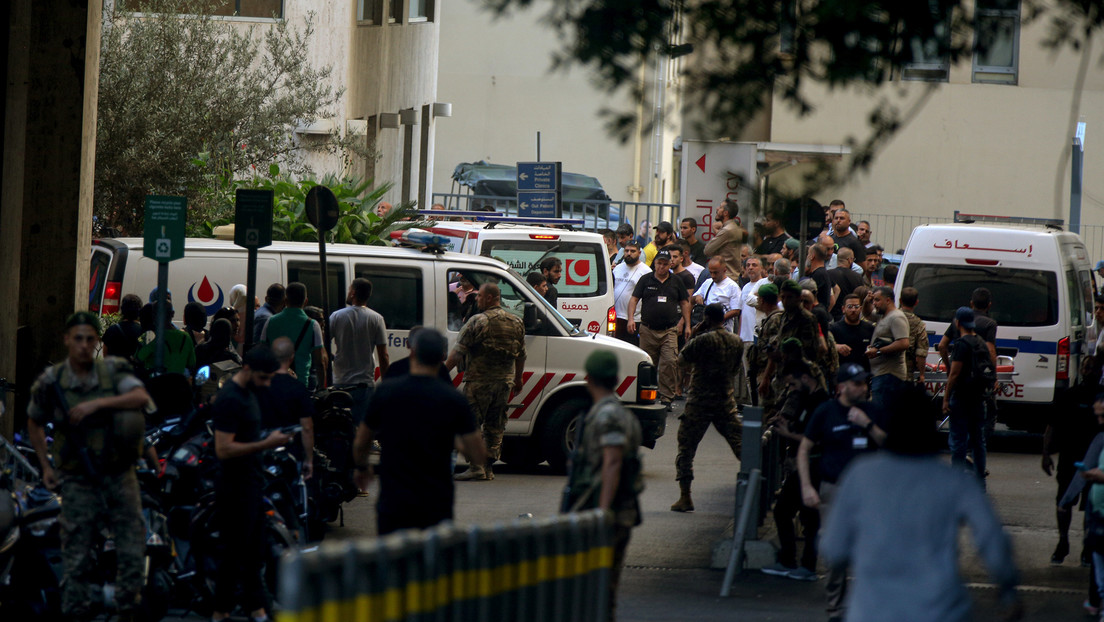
[
  {"x": 524, "y": 205},
  {"x": 701, "y": 163},
  {"x": 523, "y": 176}
]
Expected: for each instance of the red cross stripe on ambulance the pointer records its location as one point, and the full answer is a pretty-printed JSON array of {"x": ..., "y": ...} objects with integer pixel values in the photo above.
[{"x": 543, "y": 382}]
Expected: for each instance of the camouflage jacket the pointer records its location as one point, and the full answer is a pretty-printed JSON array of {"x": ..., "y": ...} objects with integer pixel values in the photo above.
[
  {"x": 490, "y": 342},
  {"x": 608, "y": 423},
  {"x": 918, "y": 342},
  {"x": 716, "y": 357}
]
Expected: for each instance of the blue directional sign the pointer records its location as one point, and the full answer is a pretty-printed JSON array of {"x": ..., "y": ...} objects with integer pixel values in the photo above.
[
  {"x": 538, "y": 204},
  {"x": 538, "y": 176},
  {"x": 538, "y": 189}
]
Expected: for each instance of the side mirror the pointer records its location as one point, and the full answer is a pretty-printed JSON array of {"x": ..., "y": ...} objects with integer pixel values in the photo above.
[{"x": 529, "y": 317}]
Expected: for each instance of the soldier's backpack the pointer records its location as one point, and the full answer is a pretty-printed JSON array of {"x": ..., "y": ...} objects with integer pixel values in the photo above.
[{"x": 982, "y": 372}]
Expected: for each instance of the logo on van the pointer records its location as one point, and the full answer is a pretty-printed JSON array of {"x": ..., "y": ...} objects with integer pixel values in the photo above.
[
  {"x": 206, "y": 296},
  {"x": 578, "y": 272}
]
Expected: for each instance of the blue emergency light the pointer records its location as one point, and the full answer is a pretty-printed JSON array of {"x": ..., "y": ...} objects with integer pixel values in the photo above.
[
  {"x": 519, "y": 220},
  {"x": 455, "y": 213},
  {"x": 421, "y": 239}
]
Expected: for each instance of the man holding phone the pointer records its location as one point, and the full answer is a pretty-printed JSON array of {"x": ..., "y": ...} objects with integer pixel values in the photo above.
[{"x": 286, "y": 403}]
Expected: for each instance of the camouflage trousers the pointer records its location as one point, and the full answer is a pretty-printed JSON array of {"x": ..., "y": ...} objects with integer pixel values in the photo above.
[
  {"x": 693, "y": 424},
  {"x": 88, "y": 506},
  {"x": 488, "y": 403}
]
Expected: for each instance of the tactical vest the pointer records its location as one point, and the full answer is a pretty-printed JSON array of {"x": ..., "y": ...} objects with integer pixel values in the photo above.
[
  {"x": 499, "y": 347},
  {"x": 106, "y": 442}
]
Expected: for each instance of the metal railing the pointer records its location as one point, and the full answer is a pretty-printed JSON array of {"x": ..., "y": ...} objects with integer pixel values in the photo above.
[
  {"x": 553, "y": 569},
  {"x": 596, "y": 213}
]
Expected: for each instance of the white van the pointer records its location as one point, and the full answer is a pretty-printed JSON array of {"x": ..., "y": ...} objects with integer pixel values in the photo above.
[
  {"x": 586, "y": 287},
  {"x": 410, "y": 287},
  {"x": 1042, "y": 288}
]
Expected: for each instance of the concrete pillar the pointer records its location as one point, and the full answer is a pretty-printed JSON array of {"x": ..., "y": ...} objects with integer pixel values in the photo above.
[{"x": 52, "y": 78}]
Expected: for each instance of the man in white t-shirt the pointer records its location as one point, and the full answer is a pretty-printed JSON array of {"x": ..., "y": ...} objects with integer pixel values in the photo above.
[
  {"x": 753, "y": 269},
  {"x": 357, "y": 331},
  {"x": 625, "y": 276},
  {"x": 720, "y": 288}
]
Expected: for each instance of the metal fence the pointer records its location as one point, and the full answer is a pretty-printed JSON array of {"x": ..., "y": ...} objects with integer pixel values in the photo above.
[
  {"x": 596, "y": 214},
  {"x": 546, "y": 570}
]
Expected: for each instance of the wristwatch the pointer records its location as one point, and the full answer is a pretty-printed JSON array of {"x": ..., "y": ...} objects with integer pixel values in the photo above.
[{"x": 878, "y": 351}]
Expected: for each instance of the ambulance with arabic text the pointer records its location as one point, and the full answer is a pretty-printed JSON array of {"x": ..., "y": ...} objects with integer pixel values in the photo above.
[{"x": 1042, "y": 287}]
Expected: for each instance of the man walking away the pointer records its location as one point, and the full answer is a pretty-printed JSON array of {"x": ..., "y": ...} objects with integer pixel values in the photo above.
[
  {"x": 716, "y": 355},
  {"x": 493, "y": 345},
  {"x": 843, "y": 429},
  {"x": 416, "y": 490},
  {"x": 625, "y": 276},
  {"x": 916, "y": 356},
  {"x": 97, "y": 482},
  {"x": 607, "y": 470},
  {"x": 357, "y": 331},
  {"x": 275, "y": 300},
  {"x": 236, "y": 416},
  {"x": 896, "y": 521},
  {"x": 964, "y": 397},
  {"x": 304, "y": 333},
  {"x": 887, "y": 350},
  {"x": 286, "y": 402},
  {"x": 664, "y": 305},
  {"x": 121, "y": 338},
  {"x": 551, "y": 269}
]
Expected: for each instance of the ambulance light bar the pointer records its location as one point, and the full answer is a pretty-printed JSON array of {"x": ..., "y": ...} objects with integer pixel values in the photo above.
[{"x": 517, "y": 220}]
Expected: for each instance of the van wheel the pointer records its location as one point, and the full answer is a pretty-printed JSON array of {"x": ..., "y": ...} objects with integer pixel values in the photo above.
[
  {"x": 557, "y": 436},
  {"x": 521, "y": 452}
]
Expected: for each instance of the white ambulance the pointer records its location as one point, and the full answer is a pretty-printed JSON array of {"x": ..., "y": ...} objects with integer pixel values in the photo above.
[
  {"x": 1042, "y": 300},
  {"x": 410, "y": 288},
  {"x": 586, "y": 286}
]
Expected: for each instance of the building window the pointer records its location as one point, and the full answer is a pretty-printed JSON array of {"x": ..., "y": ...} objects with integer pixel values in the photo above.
[
  {"x": 266, "y": 9},
  {"x": 997, "y": 41},
  {"x": 370, "y": 11},
  {"x": 929, "y": 55},
  {"x": 421, "y": 11},
  {"x": 395, "y": 12}
]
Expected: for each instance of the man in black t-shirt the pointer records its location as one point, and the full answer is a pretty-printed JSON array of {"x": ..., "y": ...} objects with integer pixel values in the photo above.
[
  {"x": 852, "y": 333},
  {"x": 984, "y": 326},
  {"x": 417, "y": 419},
  {"x": 236, "y": 416},
  {"x": 844, "y": 277},
  {"x": 842, "y": 428},
  {"x": 818, "y": 256},
  {"x": 964, "y": 397},
  {"x": 551, "y": 269},
  {"x": 286, "y": 402},
  {"x": 844, "y": 237},
  {"x": 664, "y": 315},
  {"x": 774, "y": 235}
]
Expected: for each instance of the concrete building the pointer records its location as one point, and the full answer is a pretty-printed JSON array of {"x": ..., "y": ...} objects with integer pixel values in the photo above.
[{"x": 497, "y": 73}]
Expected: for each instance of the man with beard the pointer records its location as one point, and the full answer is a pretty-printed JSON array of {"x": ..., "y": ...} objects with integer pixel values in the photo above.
[
  {"x": 665, "y": 305},
  {"x": 728, "y": 238},
  {"x": 852, "y": 333},
  {"x": 625, "y": 277},
  {"x": 664, "y": 235}
]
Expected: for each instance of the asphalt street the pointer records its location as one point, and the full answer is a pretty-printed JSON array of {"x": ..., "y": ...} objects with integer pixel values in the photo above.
[{"x": 668, "y": 574}]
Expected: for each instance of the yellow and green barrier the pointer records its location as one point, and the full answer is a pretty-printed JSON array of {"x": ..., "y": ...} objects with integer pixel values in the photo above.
[{"x": 545, "y": 570}]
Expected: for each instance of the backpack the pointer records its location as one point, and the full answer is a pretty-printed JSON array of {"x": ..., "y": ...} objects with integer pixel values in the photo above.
[{"x": 982, "y": 372}]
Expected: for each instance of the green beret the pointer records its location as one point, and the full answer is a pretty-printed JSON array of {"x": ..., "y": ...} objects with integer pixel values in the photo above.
[
  {"x": 601, "y": 364},
  {"x": 790, "y": 285},
  {"x": 84, "y": 318},
  {"x": 768, "y": 289}
]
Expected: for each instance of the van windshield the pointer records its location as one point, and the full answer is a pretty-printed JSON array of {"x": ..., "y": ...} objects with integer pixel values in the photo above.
[
  {"x": 583, "y": 263},
  {"x": 1020, "y": 297}
]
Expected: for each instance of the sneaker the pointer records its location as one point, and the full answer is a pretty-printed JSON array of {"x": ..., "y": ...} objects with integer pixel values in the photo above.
[
  {"x": 472, "y": 474},
  {"x": 802, "y": 574},
  {"x": 1089, "y": 609},
  {"x": 777, "y": 570}
]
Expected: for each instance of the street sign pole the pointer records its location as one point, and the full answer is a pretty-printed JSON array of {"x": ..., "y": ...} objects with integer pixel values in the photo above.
[
  {"x": 252, "y": 230},
  {"x": 323, "y": 212},
  {"x": 163, "y": 241}
]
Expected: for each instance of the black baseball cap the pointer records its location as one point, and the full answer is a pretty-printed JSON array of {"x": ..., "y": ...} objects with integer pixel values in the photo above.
[
  {"x": 852, "y": 372},
  {"x": 664, "y": 227},
  {"x": 663, "y": 254}
]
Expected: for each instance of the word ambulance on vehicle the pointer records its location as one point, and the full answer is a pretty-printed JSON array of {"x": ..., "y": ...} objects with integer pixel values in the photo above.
[
  {"x": 586, "y": 285},
  {"x": 411, "y": 287},
  {"x": 1042, "y": 300}
]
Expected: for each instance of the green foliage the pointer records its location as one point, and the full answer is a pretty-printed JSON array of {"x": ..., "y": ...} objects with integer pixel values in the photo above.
[
  {"x": 358, "y": 222},
  {"x": 175, "y": 83}
]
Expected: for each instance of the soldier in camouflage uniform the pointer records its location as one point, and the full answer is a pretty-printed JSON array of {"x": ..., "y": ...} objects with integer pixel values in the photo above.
[
  {"x": 492, "y": 344},
  {"x": 917, "y": 353},
  {"x": 98, "y": 484},
  {"x": 716, "y": 356},
  {"x": 610, "y": 444},
  {"x": 793, "y": 322}
]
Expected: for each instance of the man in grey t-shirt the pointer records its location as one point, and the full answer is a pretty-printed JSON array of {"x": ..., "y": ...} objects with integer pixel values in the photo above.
[
  {"x": 356, "y": 331},
  {"x": 887, "y": 350}
]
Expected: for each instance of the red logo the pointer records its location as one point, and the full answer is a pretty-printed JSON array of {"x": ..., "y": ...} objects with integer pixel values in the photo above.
[
  {"x": 593, "y": 327},
  {"x": 578, "y": 272}
]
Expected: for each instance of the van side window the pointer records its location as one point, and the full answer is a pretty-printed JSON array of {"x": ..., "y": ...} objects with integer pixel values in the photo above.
[
  {"x": 1076, "y": 298},
  {"x": 1085, "y": 277},
  {"x": 462, "y": 305},
  {"x": 396, "y": 294},
  {"x": 307, "y": 273}
]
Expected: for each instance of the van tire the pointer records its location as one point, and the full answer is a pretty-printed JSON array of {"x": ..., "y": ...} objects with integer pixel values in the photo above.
[
  {"x": 557, "y": 434},
  {"x": 521, "y": 452}
]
